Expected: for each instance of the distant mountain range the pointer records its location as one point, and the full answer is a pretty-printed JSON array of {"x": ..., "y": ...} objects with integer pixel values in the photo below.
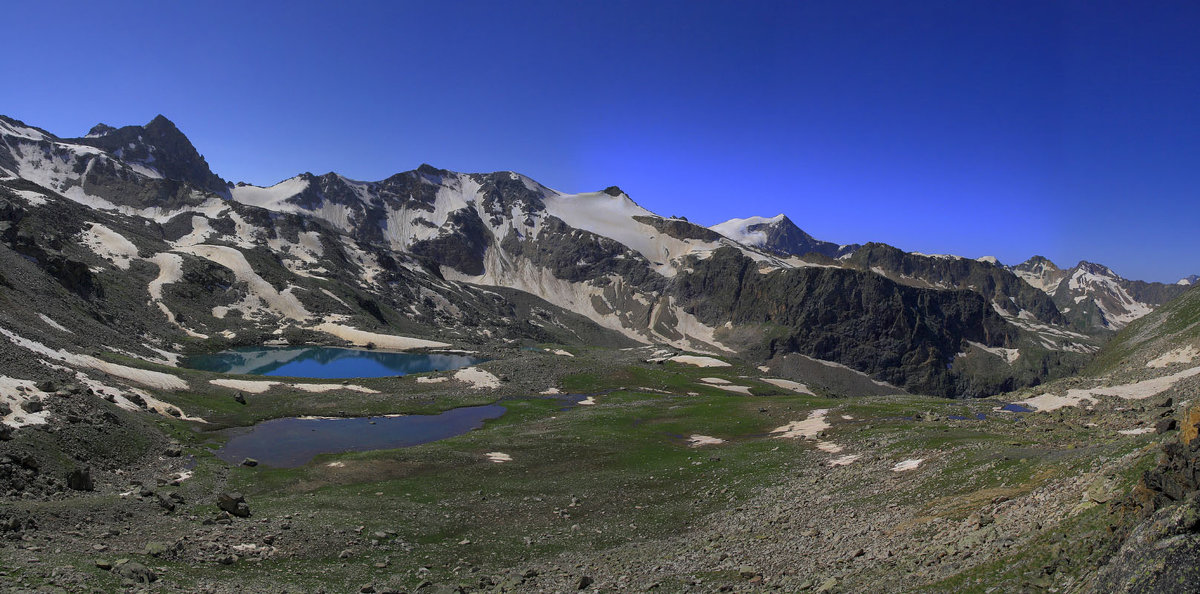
[{"x": 129, "y": 230}]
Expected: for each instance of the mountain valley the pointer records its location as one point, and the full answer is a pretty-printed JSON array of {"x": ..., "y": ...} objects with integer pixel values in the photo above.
[{"x": 741, "y": 407}]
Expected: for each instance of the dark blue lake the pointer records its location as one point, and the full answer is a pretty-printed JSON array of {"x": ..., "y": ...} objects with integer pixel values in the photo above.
[
  {"x": 292, "y": 442},
  {"x": 325, "y": 362}
]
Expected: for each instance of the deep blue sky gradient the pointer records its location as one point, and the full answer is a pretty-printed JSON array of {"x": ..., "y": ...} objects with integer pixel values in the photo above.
[{"x": 1067, "y": 129}]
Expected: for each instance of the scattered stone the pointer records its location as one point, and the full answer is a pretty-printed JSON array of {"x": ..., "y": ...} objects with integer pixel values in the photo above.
[
  {"x": 135, "y": 572},
  {"x": 166, "y": 502},
  {"x": 1164, "y": 426},
  {"x": 251, "y": 462},
  {"x": 827, "y": 586},
  {"x": 234, "y": 503},
  {"x": 103, "y": 564},
  {"x": 240, "y": 398},
  {"x": 80, "y": 479},
  {"x": 584, "y": 582}
]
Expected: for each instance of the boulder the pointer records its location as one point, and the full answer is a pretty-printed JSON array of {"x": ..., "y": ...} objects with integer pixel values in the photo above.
[
  {"x": 135, "y": 572},
  {"x": 234, "y": 503},
  {"x": 80, "y": 479},
  {"x": 1164, "y": 426}
]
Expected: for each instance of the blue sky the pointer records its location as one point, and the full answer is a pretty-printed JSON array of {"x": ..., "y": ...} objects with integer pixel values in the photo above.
[{"x": 1066, "y": 129}]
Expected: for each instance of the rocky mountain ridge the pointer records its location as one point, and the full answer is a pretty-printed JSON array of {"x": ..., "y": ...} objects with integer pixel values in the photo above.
[
  {"x": 419, "y": 247},
  {"x": 758, "y": 462},
  {"x": 1092, "y": 296}
]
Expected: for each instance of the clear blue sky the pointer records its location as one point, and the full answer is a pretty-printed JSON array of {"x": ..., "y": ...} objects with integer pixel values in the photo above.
[{"x": 1070, "y": 129}]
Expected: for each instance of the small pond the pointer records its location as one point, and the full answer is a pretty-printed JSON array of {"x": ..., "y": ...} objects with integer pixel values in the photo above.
[
  {"x": 292, "y": 442},
  {"x": 325, "y": 362}
]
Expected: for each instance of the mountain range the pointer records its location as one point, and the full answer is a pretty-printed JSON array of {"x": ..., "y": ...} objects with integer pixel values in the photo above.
[
  {"x": 661, "y": 405},
  {"x": 134, "y": 225}
]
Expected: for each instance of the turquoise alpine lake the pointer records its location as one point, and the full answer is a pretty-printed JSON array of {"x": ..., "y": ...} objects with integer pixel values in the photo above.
[
  {"x": 325, "y": 362},
  {"x": 292, "y": 442}
]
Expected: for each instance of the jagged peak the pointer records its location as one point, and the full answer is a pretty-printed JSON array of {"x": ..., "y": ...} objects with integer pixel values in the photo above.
[
  {"x": 100, "y": 130},
  {"x": 159, "y": 121},
  {"x": 161, "y": 129},
  {"x": 614, "y": 191},
  {"x": 1094, "y": 268},
  {"x": 427, "y": 169},
  {"x": 1038, "y": 262}
]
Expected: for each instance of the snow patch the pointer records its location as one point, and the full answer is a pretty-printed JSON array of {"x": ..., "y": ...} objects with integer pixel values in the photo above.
[
  {"x": 797, "y": 387},
  {"x": 383, "y": 341},
  {"x": 829, "y": 447},
  {"x": 15, "y": 393},
  {"x": 153, "y": 379},
  {"x": 1184, "y": 355},
  {"x": 498, "y": 457},
  {"x": 33, "y": 198},
  {"x": 109, "y": 244},
  {"x": 806, "y": 429},
  {"x": 477, "y": 378},
  {"x": 321, "y": 388},
  {"x": 846, "y": 460},
  {"x": 1135, "y": 391},
  {"x": 262, "y": 295},
  {"x": 1138, "y": 431},
  {"x": 699, "y": 361},
  {"x": 51, "y": 323},
  {"x": 1010, "y": 356},
  {"x": 696, "y": 440},
  {"x": 252, "y": 386},
  {"x": 909, "y": 464}
]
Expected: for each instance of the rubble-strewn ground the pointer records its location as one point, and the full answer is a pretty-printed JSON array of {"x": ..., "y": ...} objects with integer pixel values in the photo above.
[{"x": 886, "y": 493}]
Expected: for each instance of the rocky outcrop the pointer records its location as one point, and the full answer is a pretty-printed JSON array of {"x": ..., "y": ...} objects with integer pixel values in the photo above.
[
  {"x": 160, "y": 146},
  {"x": 998, "y": 285},
  {"x": 680, "y": 228},
  {"x": 1161, "y": 554},
  {"x": 898, "y": 334}
]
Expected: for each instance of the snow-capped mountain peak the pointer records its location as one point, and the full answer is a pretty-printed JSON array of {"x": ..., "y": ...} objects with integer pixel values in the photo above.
[
  {"x": 748, "y": 231},
  {"x": 780, "y": 235}
]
